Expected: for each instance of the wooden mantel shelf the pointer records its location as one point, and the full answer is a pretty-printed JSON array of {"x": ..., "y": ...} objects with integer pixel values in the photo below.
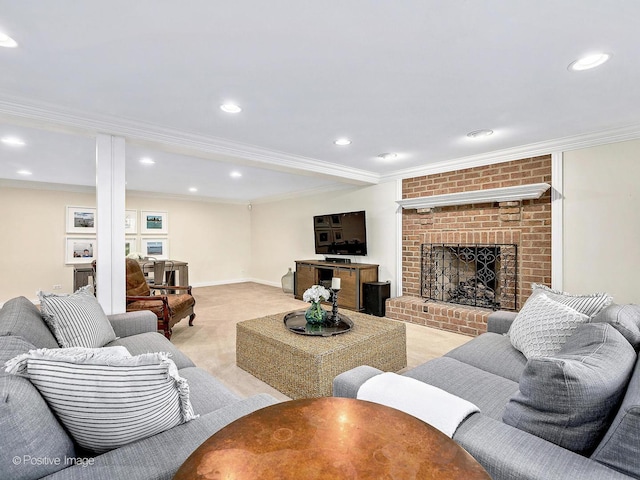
[{"x": 505, "y": 194}]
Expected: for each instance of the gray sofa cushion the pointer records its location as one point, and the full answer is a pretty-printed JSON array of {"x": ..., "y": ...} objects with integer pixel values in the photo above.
[
  {"x": 488, "y": 391},
  {"x": 160, "y": 456},
  {"x": 620, "y": 446},
  {"x": 492, "y": 353},
  {"x": 28, "y": 428},
  {"x": 21, "y": 317},
  {"x": 625, "y": 319},
  {"x": 206, "y": 393},
  {"x": 508, "y": 453},
  {"x": 569, "y": 399},
  {"x": 152, "y": 342},
  {"x": 12, "y": 346}
]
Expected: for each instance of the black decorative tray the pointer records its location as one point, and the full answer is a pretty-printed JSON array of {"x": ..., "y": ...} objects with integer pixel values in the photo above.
[{"x": 296, "y": 323}]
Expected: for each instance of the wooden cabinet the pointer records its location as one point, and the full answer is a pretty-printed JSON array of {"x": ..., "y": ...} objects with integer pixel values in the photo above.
[{"x": 352, "y": 277}]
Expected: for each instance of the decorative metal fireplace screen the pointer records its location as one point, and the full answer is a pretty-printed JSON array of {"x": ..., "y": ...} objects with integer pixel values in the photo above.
[{"x": 471, "y": 274}]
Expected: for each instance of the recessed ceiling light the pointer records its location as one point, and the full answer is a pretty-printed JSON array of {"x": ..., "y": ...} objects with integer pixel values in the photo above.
[
  {"x": 342, "y": 142},
  {"x": 147, "y": 161},
  {"x": 230, "y": 108},
  {"x": 193, "y": 189},
  {"x": 24, "y": 172},
  {"x": 7, "y": 41},
  {"x": 13, "y": 141},
  {"x": 388, "y": 156},
  {"x": 589, "y": 61},
  {"x": 480, "y": 133},
  {"x": 235, "y": 174}
]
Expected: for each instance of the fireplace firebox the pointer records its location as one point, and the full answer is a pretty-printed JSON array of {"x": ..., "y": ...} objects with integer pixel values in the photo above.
[{"x": 477, "y": 275}]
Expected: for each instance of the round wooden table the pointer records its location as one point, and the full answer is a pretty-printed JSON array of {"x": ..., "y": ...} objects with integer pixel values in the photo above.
[{"x": 329, "y": 438}]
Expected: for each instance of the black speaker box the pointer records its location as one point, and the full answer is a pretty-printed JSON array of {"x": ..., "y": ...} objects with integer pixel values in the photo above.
[{"x": 375, "y": 294}]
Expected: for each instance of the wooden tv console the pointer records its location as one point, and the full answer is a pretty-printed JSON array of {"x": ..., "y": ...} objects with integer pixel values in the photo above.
[{"x": 352, "y": 277}]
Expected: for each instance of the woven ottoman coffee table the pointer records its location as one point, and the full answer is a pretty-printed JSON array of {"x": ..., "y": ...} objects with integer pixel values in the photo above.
[{"x": 302, "y": 366}]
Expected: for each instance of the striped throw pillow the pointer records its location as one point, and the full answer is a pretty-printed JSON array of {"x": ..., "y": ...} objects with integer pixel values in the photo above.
[
  {"x": 106, "y": 398},
  {"x": 588, "y": 305},
  {"x": 76, "y": 320}
]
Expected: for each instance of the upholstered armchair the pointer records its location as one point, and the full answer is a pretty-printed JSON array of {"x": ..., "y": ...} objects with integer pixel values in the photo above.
[{"x": 169, "y": 308}]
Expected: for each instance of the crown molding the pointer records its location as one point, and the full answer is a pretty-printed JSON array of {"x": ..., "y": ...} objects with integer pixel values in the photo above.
[
  {"x": 621, "y": 134},
  {"x": 505, "y": 194},
  {"x": 74, "y": 121}
]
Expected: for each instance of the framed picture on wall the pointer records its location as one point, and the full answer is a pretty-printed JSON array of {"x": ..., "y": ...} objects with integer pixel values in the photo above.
[
  {"x": 157, "y": 248},
  {"x": 130, "y": 246},
  {"x": 130, "y": 222},
  {"x": 81, "y": 220},
  {"x": 80, "y": 250},
  {"x": 154, "y": 223}
]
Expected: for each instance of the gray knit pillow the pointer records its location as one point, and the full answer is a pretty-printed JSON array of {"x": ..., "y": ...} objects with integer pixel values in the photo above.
[
  {"x": 543, "y": 326},
  {"x": 76, "y": 320}
]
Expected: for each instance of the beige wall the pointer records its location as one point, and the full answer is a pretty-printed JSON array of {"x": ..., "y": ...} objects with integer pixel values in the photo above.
[
  {"x": 601, "y": 228},
  {"x": 282, "y": 231},
  {"x": 213, "y": 237}
]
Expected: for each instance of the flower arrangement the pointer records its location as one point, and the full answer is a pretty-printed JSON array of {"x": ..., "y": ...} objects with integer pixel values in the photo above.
[
  {"x": 315, "y": 314},
  {"x": 316, "y": 294}
]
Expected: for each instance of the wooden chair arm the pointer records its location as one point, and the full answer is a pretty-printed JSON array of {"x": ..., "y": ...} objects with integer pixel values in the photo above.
[
  {"x": 161, "y": 298},
  {"x": 170, "y": 287}
]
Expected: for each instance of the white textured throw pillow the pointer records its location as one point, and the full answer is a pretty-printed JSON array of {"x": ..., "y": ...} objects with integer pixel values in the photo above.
[
  {"x": 107, "y": 400},
  {"x": 543, "y": 326},
  {"x": 77, "y": 319},
  {"x": 589, "y": 304}
]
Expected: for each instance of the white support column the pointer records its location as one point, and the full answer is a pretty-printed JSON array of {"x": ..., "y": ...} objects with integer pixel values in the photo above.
[
  {"x": 557, "y": 220},
  {"x": 110, "y": 201},
  {"x": 398, "y": 291}
]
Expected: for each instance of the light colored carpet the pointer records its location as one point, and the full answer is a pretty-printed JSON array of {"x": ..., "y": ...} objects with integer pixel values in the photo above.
[{"x": 211, "y": 342}]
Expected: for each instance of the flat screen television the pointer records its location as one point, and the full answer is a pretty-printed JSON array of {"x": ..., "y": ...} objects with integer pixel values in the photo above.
[{"x": 341, "y": 233}]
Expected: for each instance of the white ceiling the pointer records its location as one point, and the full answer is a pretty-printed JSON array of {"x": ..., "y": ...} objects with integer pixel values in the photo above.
[{"x": 405, "y": 76}]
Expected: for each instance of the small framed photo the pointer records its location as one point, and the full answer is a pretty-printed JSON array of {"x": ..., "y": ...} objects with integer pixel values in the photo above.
[
  {"x": 154, "y": 223},
  {"x": 157, "y": 248},
  {"x": 130, "y": 222},
  {"x": 81, "y": 220},
  {"x": 130, "y": 246},
  {"x": 336, "y": 221},
  {"x": 80, "y": 250},
  {"x": 337, "y": 235}
]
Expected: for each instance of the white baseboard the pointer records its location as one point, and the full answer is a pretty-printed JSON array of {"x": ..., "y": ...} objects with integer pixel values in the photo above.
[{"x": 237, "y": 280}]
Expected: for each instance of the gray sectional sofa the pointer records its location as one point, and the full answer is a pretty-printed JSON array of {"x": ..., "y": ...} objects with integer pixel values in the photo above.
[
  {"x": 33, "y": 444},
  {"x": 586, "y": 398}
]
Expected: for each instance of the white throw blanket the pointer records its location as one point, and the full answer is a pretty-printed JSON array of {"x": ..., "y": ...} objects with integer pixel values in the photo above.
[{"x": 430, "y": 404}]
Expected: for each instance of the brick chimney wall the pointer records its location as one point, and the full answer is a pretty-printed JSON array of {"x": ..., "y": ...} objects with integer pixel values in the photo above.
[{"x": 526, "y": 223}]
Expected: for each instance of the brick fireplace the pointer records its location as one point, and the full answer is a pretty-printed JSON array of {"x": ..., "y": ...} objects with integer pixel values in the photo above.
[{"x": 524, "y": 223}]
